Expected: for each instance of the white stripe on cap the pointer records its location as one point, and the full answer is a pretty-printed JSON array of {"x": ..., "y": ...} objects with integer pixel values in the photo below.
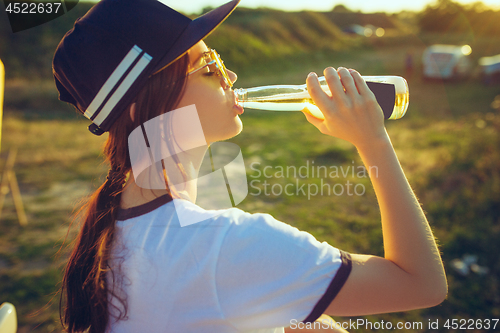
[
  {"x": 111, "y": 82},
  {"x": 122, "y": 89},
  {"x": 122, "y": 67}
]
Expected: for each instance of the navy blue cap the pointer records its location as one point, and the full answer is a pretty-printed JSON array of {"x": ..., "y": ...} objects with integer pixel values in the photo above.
[{"x": 103, "y": 62}]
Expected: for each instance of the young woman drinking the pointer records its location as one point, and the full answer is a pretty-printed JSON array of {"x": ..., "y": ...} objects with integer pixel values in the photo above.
[{"x": 140, "y": 71}]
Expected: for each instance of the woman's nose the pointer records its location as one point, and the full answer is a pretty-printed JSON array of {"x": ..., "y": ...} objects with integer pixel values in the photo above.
[{"x": 232, "y": 76}]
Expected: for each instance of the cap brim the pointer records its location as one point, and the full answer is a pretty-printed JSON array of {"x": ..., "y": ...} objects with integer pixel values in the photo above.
[{"x": 196, "y": 31}]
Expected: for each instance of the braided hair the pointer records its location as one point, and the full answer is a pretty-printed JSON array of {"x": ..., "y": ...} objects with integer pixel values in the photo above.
[{"x": 84, "y": 296}]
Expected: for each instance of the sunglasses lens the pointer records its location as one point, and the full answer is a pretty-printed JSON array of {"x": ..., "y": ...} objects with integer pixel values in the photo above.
[{"x": 222, "y": 69}]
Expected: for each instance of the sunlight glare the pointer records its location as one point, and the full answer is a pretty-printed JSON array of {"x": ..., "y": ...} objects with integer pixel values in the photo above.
[{"x": 466, "y": 50}]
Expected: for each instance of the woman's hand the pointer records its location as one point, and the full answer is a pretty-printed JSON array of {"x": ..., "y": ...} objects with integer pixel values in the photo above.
[
  {"x": 411, "y": 274},
  {"x": 351, "y": 112}
]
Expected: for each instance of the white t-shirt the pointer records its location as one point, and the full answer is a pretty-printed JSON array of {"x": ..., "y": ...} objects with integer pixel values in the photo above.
[{"x": 235, "y": 272}]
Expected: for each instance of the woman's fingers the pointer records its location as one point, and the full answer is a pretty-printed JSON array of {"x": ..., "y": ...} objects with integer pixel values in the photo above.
[
  {"x": 360, "y": 83},
  {"x": 348, "y": 83},
  {"x": 350, "y": 108},
  {"x": 321, "y": 99},
  {"x": 333, "y": 80}
]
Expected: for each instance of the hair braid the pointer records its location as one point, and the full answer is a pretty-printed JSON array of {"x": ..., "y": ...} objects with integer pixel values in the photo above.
[{"x": 85, "y": 291}]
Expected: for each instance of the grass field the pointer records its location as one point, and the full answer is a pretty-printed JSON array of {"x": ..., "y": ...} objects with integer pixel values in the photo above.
[{"x": 447, "y": 143}]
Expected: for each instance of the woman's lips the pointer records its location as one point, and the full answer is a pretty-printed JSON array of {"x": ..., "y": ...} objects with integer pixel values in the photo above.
[
  {"x": 236, "y": 105},
  {"x": 239, "y": 108}
]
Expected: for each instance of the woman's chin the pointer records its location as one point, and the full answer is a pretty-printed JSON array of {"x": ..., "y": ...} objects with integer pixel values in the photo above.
[
  {"x": 239, "y": 127},
  {"x": 231, "y": 131}
]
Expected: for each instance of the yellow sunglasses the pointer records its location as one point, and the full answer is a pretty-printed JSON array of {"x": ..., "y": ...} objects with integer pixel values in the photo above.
[{"x": 215, "y": 64}]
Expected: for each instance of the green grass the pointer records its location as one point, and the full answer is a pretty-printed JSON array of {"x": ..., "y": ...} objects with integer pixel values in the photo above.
[{"x": 447, "y": 143}]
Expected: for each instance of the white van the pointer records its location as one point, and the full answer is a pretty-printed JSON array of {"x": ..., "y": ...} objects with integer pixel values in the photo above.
[
  {"x": 446, "y": 62},
  {"x": 490, "y": 69}
]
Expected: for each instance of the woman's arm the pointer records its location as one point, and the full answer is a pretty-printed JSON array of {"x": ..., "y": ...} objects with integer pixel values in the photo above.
[{"x": 411, "y": 275}]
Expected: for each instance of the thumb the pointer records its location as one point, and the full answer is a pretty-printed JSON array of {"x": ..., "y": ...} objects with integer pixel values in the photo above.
[{"x": 313, "y": 120}]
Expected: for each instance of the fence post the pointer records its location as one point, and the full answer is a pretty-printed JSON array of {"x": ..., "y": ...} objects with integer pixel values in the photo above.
[{"x": 8, "y": 176}]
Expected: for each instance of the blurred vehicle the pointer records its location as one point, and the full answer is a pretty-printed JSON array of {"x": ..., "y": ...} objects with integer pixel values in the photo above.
[
  {"x": 447, "y": 62},
  {"x": 490, "y": 69},
  {"x": 354, "y": 29},
  {"x": 366, "y": 31}
]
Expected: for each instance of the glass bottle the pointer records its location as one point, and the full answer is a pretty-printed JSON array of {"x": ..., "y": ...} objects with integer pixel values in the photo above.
[{"x": 391, "y": 93}]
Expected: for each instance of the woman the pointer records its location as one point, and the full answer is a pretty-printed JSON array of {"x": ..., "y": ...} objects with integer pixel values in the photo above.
[{"x": 138, "y": 69}]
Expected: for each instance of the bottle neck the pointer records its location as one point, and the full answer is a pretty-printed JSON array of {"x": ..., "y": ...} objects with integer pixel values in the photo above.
[{"x": 241, "y": 96}]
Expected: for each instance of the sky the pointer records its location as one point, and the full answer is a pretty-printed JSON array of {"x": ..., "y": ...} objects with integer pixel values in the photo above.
[{"x": 390, "y": 6}]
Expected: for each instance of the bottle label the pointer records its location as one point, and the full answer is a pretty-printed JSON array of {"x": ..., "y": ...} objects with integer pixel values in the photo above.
[{"x": 385, "y": 93}]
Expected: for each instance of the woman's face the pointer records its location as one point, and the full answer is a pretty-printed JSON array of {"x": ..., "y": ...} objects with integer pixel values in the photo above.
[{"x": 215, "y": 102}]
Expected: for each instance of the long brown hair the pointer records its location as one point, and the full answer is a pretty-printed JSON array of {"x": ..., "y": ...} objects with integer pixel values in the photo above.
[{"x": 84, "y": 297}]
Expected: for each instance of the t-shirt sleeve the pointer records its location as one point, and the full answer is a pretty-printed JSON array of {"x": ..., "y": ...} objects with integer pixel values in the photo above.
[{"x": 269, "y": 273}]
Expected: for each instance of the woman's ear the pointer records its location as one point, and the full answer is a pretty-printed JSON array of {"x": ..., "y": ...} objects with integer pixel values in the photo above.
[{"x": 132, "y": 111}]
